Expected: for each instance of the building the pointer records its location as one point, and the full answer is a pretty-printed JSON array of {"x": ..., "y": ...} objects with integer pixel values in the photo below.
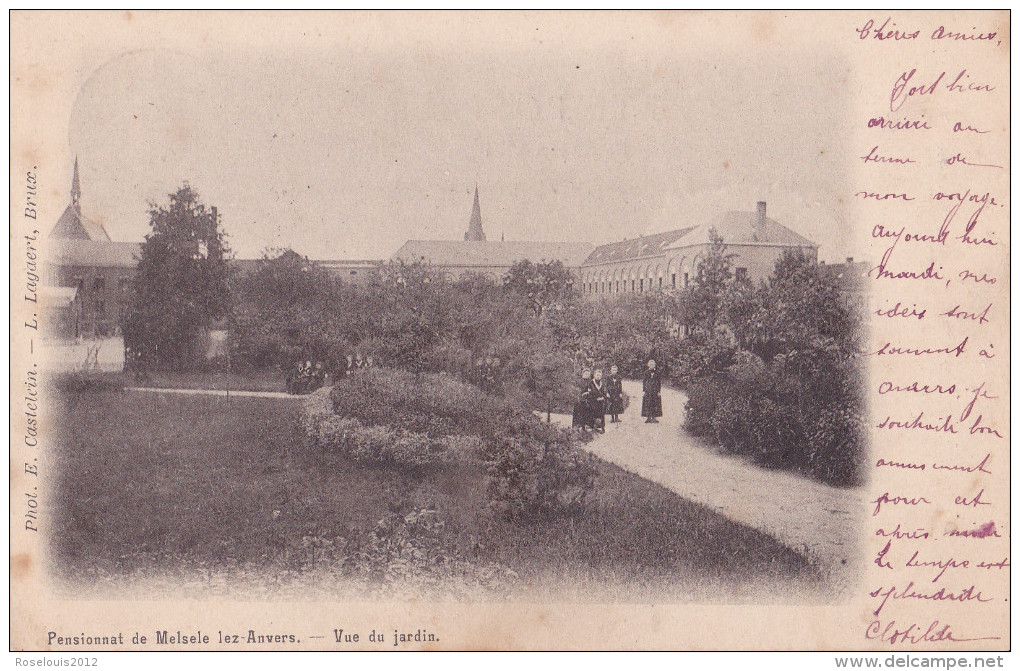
[
  {"x": 353, "y": 271},
  {"x": 853, "y": 283},
  {"x": 493, "y": 259},
  {"x": 670, "y": 260},
  {"x": 87, "y": 275}
]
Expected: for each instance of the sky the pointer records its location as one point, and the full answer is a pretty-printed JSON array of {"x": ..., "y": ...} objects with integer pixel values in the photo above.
[{"x": 346, "y": 148}]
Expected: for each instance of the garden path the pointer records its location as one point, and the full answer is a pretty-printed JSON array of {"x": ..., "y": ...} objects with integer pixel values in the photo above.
[
  {"x": 812, "y": 518},
  {"x": 217, "y": 392}
]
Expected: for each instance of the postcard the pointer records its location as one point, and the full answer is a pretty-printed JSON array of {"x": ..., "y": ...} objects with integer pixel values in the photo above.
[{"x": 510, "y": 331}]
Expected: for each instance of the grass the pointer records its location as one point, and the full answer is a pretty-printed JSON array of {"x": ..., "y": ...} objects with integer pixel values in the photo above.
[
  {"x": 156, "y": 485},
  {"x": 260, "y": 380}
]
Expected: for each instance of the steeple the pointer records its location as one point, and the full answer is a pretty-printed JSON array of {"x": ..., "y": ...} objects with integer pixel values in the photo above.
[
  {"x": 76, "y": 188},
  {"x": 474, "y": 231}
]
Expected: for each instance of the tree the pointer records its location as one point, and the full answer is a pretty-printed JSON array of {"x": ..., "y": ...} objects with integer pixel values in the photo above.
[
  {"x": 180, "y": 287},
  {"x": 544, "y": 284},
  {"x": 283, "y": 311},
  {"x": 702, "y": 304}
]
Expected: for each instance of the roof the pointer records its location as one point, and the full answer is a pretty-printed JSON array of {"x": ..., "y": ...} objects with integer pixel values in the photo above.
[
  {"x": 99, "y": 254},
  {"x": 348, "y": 263},
  {"x": 491, "y": 254},
  {"x": 736, "y": 228},
  {"x": 76, "y": 226},
  {"x": 646, "y": 245},
  {"x": 739, "y": 228},
  {"x": 58, "y": 297},
  {"x": 852, "y": 276},
  {"x": 245, "y": 266}
]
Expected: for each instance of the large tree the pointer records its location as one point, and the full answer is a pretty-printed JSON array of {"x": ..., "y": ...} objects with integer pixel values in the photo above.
[
  {"x": 285, "y": 310},
  {"x": 180, "y": 287},
  {"x": 544, "y": 284}
]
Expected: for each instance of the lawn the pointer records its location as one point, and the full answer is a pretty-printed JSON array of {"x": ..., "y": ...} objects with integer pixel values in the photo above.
[
  {"x": 260, "y": 380},
  {"x": 208, "y": 496}
]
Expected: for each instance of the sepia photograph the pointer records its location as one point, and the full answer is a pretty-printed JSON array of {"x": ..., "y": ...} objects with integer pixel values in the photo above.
[
  {"x": 309, "y": 359},
  {"x": 447, "y": 308}
]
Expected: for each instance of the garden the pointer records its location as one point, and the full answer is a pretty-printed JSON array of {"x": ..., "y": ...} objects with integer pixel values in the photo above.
[
  {"x": 197, "y": 496},
  {"x": 419, "y": 476}
]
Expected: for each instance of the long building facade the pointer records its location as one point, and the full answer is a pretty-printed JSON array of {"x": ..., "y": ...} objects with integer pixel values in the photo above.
[
  {"x": 670, "y": 260},
  {"x": 88, "y": 276}
]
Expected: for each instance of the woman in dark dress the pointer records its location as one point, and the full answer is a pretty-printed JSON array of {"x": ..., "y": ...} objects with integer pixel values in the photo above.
[
  {"x": 614, "y": 392},
  {"x": 580, "y": 420},
  {"x": 651, "y": 403},
  {"x": 597, "y": 402}
]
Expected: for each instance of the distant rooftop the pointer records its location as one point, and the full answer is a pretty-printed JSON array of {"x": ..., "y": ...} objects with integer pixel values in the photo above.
[
  {"x": 636, "y": 248},
  {"x": 852, "y": 275},
  {"x": 491, "y": 254},
  {"x": 736, "y": 228},
  {"x": 94, "y": 253}
]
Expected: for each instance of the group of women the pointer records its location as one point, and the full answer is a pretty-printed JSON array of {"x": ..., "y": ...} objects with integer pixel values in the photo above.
[
  {"x": 600, "y": 397},
  {"x": 307, "y": 377}
]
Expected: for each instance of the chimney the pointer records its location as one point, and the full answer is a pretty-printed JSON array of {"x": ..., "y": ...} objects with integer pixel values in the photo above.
[
  {"x": 759, "y": 225},
  {"x": 849, "y": 260}
]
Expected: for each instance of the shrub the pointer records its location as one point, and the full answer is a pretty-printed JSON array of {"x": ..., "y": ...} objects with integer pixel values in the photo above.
[
  {"x": 415, "y": 450},
  {"x": 772, "y": 415},
  {"x": 315, "y": 408},
  {"x": 336, "y": 434},
  {"x": 379, "y": 444},
  {"x": 732, "y": 424},
  {"x": 433, "y": 403},
  {"x": 703, "y": 398},
  {"x": 533, "y": 478},
  {"x": 836, "y": 438},
  {"x": 463, "y": 449},
  {"x": 370, "y": 443},
  {"x": 419, "y": 421},
  {"x": 778, "y": 435}
]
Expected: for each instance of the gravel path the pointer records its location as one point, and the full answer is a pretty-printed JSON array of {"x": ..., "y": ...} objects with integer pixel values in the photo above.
[
  {"x": 817, "y": 520},
  {"x": 217, "y": 392}
]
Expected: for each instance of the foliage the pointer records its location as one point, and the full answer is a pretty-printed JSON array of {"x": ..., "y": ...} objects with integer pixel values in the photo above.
[
  {"x": 625, "y": 331},
  {"x": 534, "y": 477},
  {"x": 546, "y": 284},
  {"x": 412, "y": 318},
  {"x": 180, "y": 287},
  {"x": 535, "y": 469},
  {"x": 704, "y": 302},
  {"x": 772, "y": 372},
  {"x": 276, "y": 316}
]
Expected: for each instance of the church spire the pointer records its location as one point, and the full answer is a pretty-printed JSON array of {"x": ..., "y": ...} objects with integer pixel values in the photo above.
[
  {"x": 76, "y": 188},
  {"x": 474, "y": 231}
]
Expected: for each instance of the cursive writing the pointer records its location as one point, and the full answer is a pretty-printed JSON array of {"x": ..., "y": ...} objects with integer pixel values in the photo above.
[
  {"x": 942, "y": 594},
  {"x": 907, "y": 87},
  {"x": 897, "y": 500},
  {"x": 914, "y": 634},
  {"x": 889, "y": 348},
  {"x": 874, "y": 157}
]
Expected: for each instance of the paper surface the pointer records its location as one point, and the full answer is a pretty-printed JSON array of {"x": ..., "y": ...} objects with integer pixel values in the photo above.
[{"x": 909, "y": 113}]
